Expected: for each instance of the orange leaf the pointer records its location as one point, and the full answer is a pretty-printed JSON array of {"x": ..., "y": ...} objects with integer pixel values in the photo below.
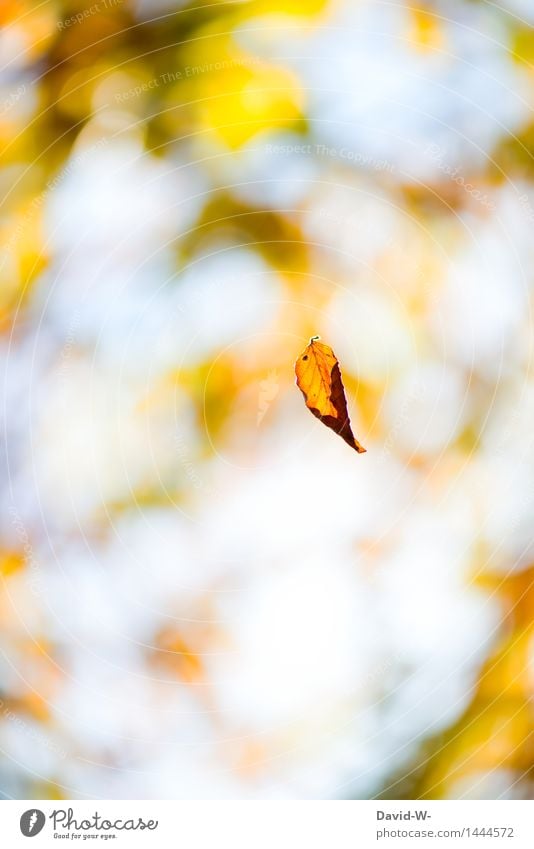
[{"x": 319, "y": 380}]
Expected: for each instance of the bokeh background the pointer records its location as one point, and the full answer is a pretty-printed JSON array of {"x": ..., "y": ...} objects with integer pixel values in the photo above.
[{"x": 204, "y": 593}]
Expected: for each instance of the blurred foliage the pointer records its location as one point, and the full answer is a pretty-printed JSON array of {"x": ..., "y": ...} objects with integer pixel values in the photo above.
[{"x": 189, "y": 82}]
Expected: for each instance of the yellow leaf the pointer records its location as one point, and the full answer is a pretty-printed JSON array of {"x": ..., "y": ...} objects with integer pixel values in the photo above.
[{"x": 319, "y": 380}]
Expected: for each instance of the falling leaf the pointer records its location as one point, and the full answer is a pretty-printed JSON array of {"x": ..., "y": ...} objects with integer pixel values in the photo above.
[{"x": 319, "y": 380}]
